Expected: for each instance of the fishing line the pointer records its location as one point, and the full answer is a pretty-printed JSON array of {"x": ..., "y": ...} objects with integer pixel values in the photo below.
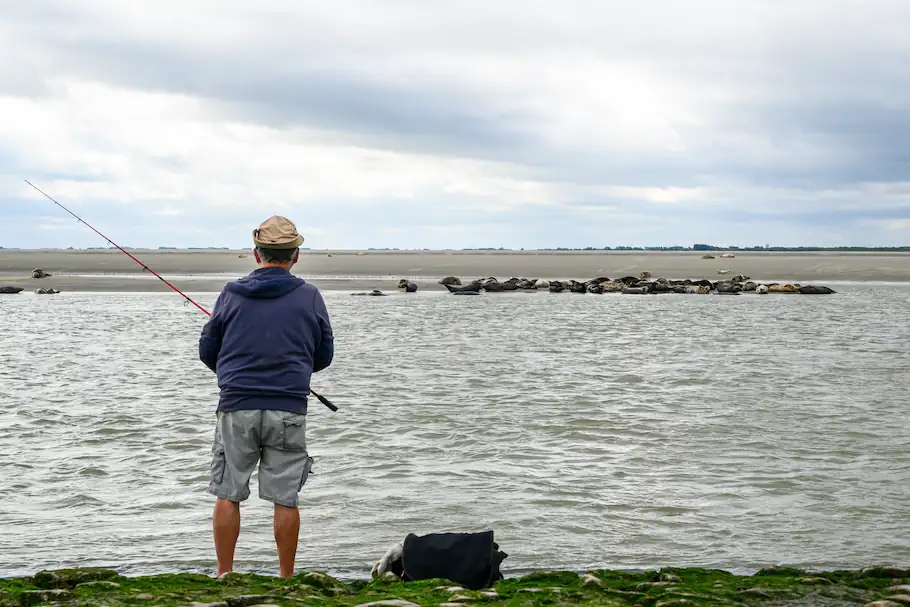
[{"x": 189, "y": 300}]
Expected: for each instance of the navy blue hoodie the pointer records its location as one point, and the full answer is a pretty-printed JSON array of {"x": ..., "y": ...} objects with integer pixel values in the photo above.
[{"x": 269, "y": 332}]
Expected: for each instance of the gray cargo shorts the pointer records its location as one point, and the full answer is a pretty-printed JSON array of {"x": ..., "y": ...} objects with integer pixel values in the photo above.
[{"x": 274, "y": 439}]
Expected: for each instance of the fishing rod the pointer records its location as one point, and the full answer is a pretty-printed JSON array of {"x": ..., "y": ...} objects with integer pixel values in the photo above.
[{"x": 321, "y": 398}]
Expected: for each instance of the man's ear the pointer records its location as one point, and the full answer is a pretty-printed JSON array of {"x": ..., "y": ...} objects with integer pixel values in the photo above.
[{"x": 296, "y": 255}]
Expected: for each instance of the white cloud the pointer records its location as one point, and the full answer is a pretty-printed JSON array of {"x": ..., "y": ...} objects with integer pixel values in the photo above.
[{"x": 161, "y": 147}]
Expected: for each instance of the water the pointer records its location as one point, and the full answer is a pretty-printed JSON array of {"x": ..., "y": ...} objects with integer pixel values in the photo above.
[{"x": 587, "y": 431}]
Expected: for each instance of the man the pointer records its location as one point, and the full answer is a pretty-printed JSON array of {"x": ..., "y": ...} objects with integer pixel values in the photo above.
[{"x": 268, "y": 333}]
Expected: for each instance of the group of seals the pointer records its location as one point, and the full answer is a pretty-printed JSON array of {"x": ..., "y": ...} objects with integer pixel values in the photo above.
[
  {"x": 643, "y": 284},
  {"x": 15, "y": 290},
  {"x": 406, "y": 285},
  {"x": 631, "y": 285},
  {"x": 37, "y": 273}
]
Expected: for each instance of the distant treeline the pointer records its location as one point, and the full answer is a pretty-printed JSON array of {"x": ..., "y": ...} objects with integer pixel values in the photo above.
[
  {"x": 697, "y": 247},
  {"x": 706, "y": 247}
]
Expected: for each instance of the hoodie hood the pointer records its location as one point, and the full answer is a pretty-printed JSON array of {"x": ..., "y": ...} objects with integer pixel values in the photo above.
[{"x": 265, "y": 283}]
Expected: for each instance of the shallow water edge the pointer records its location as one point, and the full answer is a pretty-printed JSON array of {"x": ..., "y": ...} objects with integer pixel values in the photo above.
[{"x": 600, "y": 431}]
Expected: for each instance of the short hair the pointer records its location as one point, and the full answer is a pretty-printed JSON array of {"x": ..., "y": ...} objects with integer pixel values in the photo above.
[{"x": 276, "y": 255}]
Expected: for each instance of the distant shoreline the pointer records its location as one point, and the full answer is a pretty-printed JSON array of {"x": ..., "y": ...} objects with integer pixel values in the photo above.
[
  {"x": 709, "y": 249},
  {"x": 108, "y": 270}
]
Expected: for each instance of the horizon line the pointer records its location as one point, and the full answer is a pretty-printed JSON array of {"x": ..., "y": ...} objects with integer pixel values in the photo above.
[{"x": 699, "y": 248}]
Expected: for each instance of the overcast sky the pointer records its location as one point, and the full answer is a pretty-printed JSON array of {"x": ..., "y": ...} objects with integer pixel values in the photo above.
[{"x": 463, "y": 123}]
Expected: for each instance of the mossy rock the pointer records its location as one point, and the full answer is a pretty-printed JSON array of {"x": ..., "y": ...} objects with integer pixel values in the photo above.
[
  {"x": 323, "y": 583},
  {"x": 554, "y": 578},
  {"x": 70, "y": 578},
  {"x": 36, "y": 597},
  {"x": 668, "y": 587},
  {"x": 885, "y": 573}
]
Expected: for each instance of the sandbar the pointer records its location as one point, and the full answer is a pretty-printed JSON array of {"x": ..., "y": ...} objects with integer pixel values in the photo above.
[{"x": 209, "y": 270}]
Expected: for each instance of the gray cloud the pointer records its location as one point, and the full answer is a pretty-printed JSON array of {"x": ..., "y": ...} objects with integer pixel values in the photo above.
[{"x": 788, "y": 100}]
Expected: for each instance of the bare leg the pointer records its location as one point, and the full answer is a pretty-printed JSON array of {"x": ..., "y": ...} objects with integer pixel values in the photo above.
[
  {"x": 226, "y": 527},
  {"x": 287, "y": 532}
]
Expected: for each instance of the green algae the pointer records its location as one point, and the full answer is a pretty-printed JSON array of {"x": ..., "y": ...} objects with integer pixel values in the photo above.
[{"x": 669, "y": 587}]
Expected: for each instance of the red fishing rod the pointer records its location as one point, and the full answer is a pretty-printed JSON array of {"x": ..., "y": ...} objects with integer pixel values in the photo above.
[{"x": 321, "y": 398}]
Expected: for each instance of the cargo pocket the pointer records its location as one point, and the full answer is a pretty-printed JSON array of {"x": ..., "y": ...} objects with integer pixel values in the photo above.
[
  {"x": 217, "y": 464},
  {"x": 294, "y": 433},
  {"x": 307, "y": 468}
]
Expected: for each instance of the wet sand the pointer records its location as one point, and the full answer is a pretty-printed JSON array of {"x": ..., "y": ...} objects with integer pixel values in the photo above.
[{"x": 207, "y": 271}]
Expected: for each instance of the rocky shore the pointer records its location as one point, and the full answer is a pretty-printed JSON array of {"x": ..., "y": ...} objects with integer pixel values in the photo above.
[{"x": 871, "y": 587}]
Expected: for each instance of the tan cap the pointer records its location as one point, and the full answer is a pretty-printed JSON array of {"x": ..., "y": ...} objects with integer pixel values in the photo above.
[{"x": 277, "y": 232}]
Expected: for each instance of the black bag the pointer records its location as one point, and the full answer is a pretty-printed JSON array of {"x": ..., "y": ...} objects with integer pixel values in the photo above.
[{"x": 471, "y": 560}]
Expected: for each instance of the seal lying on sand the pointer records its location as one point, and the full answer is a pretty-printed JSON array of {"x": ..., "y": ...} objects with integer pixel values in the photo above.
[
  {"x": 787, "y": 288},
  {"x": 816, "y": 290},
  {"x": 612, "y": 286},
  {"x": 474, "y": 286},
  {"x": 39, "y": 273},
  {"x": 451, "y": 280},
  {"x": 373, "y": 293},
  {"x": 10, "y": 290},
  {"x": 50, "y": 291},
  {"x": 407, "y": 285},
  {"x": 728, "y": 287}
]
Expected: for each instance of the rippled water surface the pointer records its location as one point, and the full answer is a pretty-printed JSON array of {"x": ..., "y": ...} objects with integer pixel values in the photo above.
[{"x": 614, "y": 431}]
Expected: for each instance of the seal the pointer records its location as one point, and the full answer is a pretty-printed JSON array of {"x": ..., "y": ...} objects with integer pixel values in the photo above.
[
  {"x": 450, "y": 280},
  {"x": 48, "y": 291},
  {"x": 407, "y": 285},
  {"x": 373, "y": 293},
  {"x": 411, "y": 287},
  {"x": 661, "y": 285},
  {"x": 694, "y": 289},
  {"x": 816, "y": 290},
  {"x": 728, "y": 287},
  {"x": 39, "y": 273},
  {"x": 612, "y": 286},
  {"x": 474, "y": 286},
  {"x": 10, "y": 290},
  {"x": 787, "y": 288}
]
